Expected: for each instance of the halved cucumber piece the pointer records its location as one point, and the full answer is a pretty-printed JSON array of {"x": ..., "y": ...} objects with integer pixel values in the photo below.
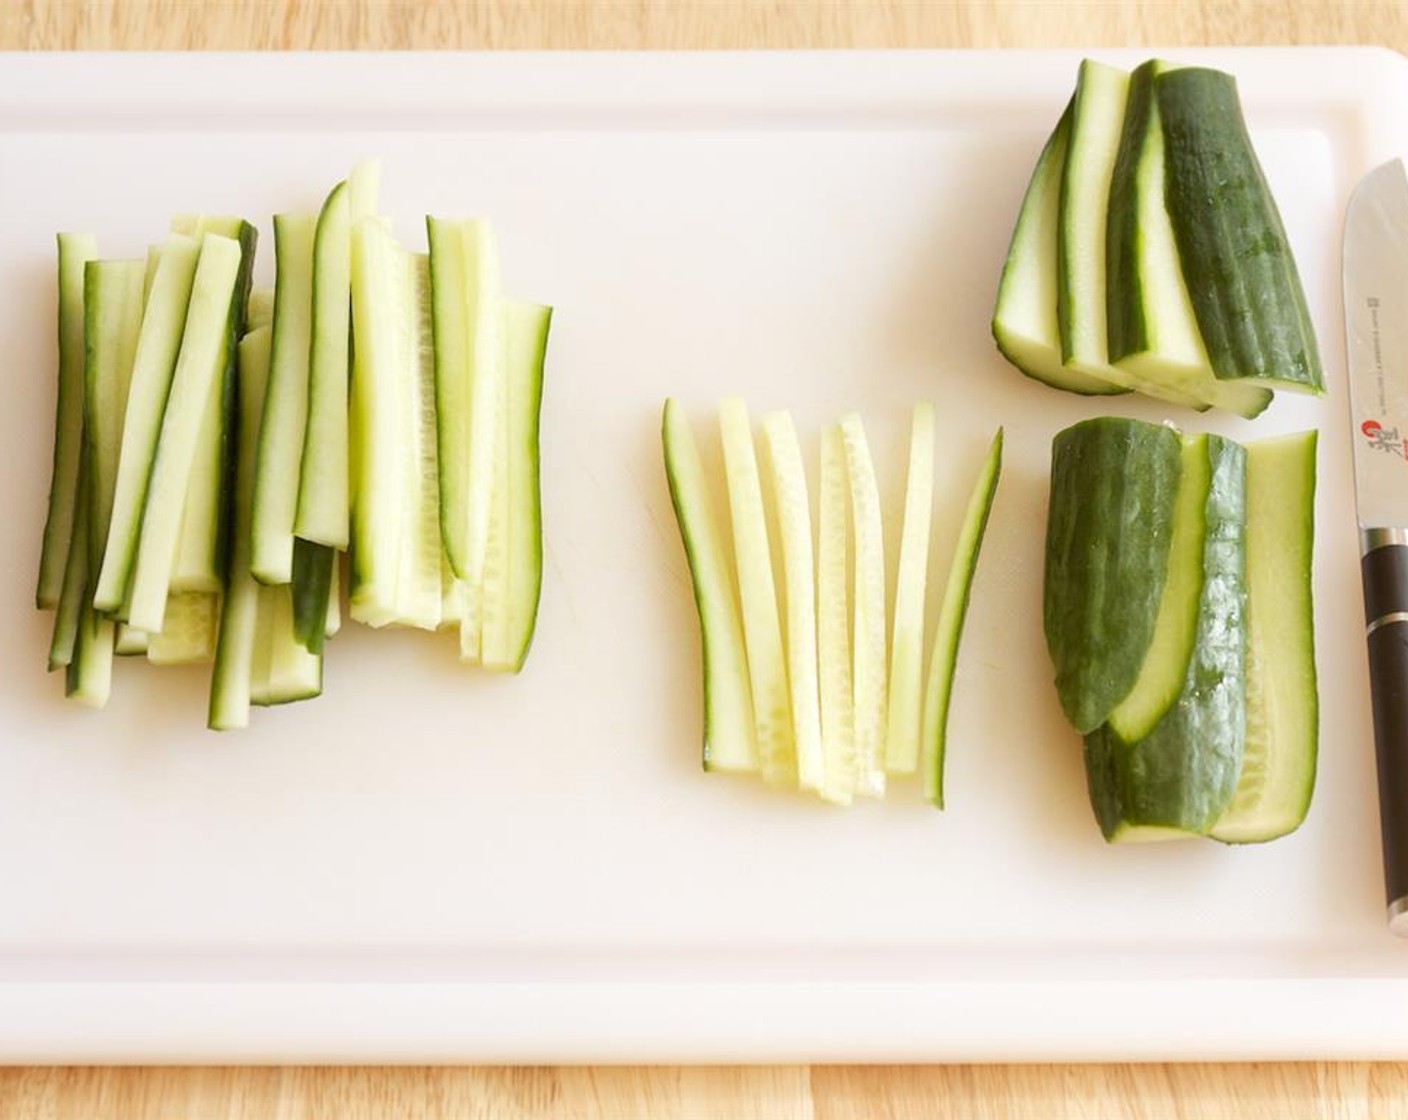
[
  {"x": 1165, "y": 665},
  {"x": 730, "y": 741},
  {"x": 75, "y": 250},
  {"x": 948, "y": 631},
  {"x": 158, "y": 344},
  {"x": 834, "y": 596},
  {"x": 230, "y": 683},
  {"x": 868, "y": 649},
  {"x": 1097, "y": 121},
  {"x": 199, "y": 369},
  {"x": 907, "y": 644},
  {"x": 1283, "y": 717},
  {"x": 508, "y": 633},
  {"x": 323, "y": 498},
  {"x": 788, "y": 476},
  {"x": 280, "y": 450},
  {"x": 1152, "y": 328},
  {"x": 1024, "y": 322},
  {"x": 189, "y": 630},
  {"x": 762, "y": 628}
]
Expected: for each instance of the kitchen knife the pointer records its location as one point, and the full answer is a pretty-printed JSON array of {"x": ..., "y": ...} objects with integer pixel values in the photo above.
[{"x": 1376, "y": 338}]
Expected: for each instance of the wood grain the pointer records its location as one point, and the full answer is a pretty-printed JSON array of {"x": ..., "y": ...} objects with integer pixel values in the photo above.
[{"x": 1312, "y": 1091}]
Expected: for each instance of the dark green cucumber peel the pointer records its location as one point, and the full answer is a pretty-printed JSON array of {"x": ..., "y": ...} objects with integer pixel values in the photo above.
[
  {"x": 1126, "y": 326},
  {"x": 1107, "y": 550},
  {"x": 1241, "y": 274},
  {"x": 311, "y": 589},
  {"x": 1182, "y": 775}
]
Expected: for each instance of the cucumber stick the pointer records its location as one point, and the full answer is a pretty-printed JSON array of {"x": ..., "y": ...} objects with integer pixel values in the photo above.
[
  {"x": 762, "y": 628},
  {"x": 730, "y": 741},
  {"x": 907, "y": 643},
  {"x": 283, "y": 671},
  {"x": 158, "y": 344},
  {"x": 73, "y": 592},
  {"x": 280, "y": 439},
  {"x": 788, "y": 475},
  {"x": 396, "y": 546},
  {"x": 189, "y": 629},
  {"x": 868, "y": 649},
  {"x": 75, "y": 250},
  {"x": 510, "y": 611},
  {"x": 948, "y": 630},
  {"x": 1097, "y": 120},
  {"x": 833, "y": 602},
  {"x": 197, "y": 374},
  {"x": 1283, "y": 718},
  {"x": 1024, "y": 322},
  {"x": 235, "y": 644},
  {"x": 323, "y": 499}
]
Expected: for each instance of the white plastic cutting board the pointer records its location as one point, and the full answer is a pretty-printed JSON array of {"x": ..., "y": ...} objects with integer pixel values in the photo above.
[{"x": 431, "y": 864}]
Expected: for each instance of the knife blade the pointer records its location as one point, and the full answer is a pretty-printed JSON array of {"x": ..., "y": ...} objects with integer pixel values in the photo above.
[{"x": 1376, "y": 342}]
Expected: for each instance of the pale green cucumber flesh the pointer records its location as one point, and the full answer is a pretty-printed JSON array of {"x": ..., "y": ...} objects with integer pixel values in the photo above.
[
  {"x": 833, "y": 622},
  {"x": 870, "y": 666}
]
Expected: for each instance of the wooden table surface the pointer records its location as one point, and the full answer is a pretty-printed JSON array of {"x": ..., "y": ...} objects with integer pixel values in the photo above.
[{"x": 1340, "y": 1091}]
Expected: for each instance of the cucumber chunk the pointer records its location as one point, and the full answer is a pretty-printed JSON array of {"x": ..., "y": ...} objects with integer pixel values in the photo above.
[
  {"x": 75, "y": 250},
  {"x": 762, "y": 628},
  {"x": 729, "y": 737},
  {"x": 948, "y": 631}
]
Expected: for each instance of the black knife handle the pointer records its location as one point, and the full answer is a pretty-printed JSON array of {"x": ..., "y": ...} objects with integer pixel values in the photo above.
[{"x": 1385, "y": 571}]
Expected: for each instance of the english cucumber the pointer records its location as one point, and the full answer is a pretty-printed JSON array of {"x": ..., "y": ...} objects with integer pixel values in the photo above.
[
  {"x": 948, "y": 631},
  {"x": 730, "y": 741}
]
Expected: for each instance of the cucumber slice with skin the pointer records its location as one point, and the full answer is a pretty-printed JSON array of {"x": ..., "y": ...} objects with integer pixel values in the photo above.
[
  {"x": 1097, "y": 119},
  {"x": 158, "y": 345},
  {"x": 198, "y": 372},
  {"x": 1152, "y": 328},
  {"x": 453, "y": 356},
  {"x": 89, "y": 675},
  {"x": 1024, "y": 322},
  {"x": 730, "y": 741},
  {"x": 313, "y": 567},
  {"x": 1180, "y": 777},
  {"x": 201, "y": 552},
  {"x": 948, "y": 631},
  {"x": 280, "y": 451},
  {"x": 1283, "y": 717},
  {"x": 1165, "y": 665},
  {"x": 762, "y": 628},
  {"x": 788, "y": 475},
  {"x": 1114, "y": 487},
  {"x": 73, "y": 595},
  {"x": 906, "y": 713},
  {"x": 833, "y": 604},
  {"x": 113, "y": 313},
  {"x": 75, "y": 250},
  {"x": 1242, "y": 275},
  {"x": 870, "y": 666},
  {"x": 189, "y": 630},
  {"x": 507, "y": 640},
  {"x": 231, "y": 680},
  {"x": 283, "y": 671}
]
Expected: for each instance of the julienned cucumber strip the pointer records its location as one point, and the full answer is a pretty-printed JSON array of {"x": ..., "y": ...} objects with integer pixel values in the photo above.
[
  {"x": 729, "y": 732},
  {"x": 789, "y": 485},
  {"x": 1283, "y": 717},
  {"x": 833, "y": 600},
  {"x": 283, "y": 670},
  {"x": 73, "y": 594},
  {"x": 280, "y": 449},
  {"x": 323, "y": 503},
  {"x": 484, "y": 330},
  {"x": 235, "y": 647},
  {"x": 158, "y": 344},
  {"x": 762, "y": 629},
  {"x": 1165, "y": 664},
  {"x": 89, "y": 674},
  {"x": 507, "y": 642},
  {"x": 948, "y": 631},
  {"x": 870, "y": 666},
  {"x": 198, "y": 372},
  {"x": 907, "y": 645},
  {"x": 75, "y": 250},
  {"x": 450, "y": 322},
  {"x": 313, "y": 568}
]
